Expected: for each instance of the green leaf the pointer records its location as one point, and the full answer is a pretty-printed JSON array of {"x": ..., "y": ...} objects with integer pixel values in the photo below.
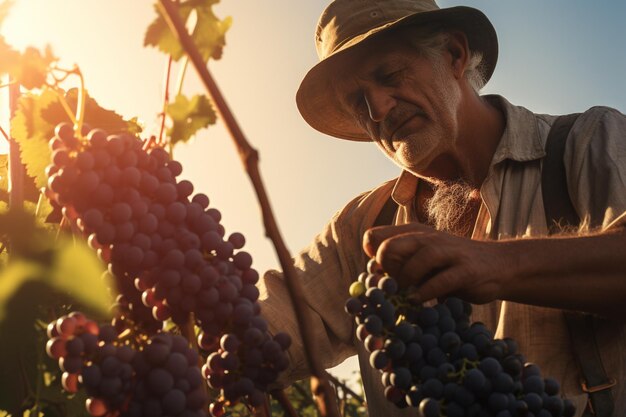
[
  {"x": 18, "y": 352},
  {"x": 29, "y": 69},
  {"x": 78, "y": 272},
  {"x": 188, "y": 116},
  {"x": 32, "y": 132},
  {"x": 95, "y": 115},
  {"x": 208, "y": 34},
  {"x": 69, "y": 267}
]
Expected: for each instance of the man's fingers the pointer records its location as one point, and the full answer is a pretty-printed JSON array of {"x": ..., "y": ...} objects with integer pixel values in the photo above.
[
  {"x": 394, "y": 252},
  {"x": 375, "y": 236},
  {"x": 424, "y": 264},
  {"x": 439, "y": 285}
]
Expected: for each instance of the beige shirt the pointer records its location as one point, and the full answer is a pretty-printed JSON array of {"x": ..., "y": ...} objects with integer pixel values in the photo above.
[{"x": 512, "y": 207}]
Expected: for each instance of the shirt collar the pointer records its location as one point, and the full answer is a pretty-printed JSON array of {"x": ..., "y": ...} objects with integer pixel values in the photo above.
[{"x": 521, "y": 141}]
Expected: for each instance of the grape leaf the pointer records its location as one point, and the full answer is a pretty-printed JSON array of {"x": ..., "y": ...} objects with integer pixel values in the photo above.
[
  {"x": 95, "y": 115},
  {"x": 189, "y": 116},
  {"x": 208, "y": 33},
  {"x": 30, "y": 68},
  {"x": 32, "y": 132},
  {"x": 77, "y": 271},
  {"x": 68, "y": 267},
  {"x": 33, "y": 67}
]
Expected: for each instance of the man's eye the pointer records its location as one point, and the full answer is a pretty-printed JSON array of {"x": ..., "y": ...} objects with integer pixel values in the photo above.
[{"x": 390, "y": 76}]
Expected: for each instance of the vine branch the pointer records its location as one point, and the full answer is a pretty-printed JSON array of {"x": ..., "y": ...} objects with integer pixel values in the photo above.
[
  {"x": 166, "y": 99},
  {"x": 249, "y": 157},
  {"x": 4, "y": 133}
]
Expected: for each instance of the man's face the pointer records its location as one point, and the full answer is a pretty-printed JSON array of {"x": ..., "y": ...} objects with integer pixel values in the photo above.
[{"x": 407, "y": 103}]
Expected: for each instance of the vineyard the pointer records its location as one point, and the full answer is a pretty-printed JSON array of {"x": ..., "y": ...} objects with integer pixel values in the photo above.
[{"x": 124, "y": 291}]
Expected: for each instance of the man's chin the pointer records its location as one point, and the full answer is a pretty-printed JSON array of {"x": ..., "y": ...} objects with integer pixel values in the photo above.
[{"x": 437, "y": 167}]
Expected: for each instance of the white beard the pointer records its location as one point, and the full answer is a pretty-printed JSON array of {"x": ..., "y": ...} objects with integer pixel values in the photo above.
[{"x": 450, "y": 207}]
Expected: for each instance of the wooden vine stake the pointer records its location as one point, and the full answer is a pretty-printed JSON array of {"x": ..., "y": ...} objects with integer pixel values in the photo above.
[{"x": 250, "y": 157}]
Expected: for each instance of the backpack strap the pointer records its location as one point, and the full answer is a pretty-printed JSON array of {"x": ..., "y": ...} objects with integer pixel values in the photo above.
[{"x": 561, "y": 212}]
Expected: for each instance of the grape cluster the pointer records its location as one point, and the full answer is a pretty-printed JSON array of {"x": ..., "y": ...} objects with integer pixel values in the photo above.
[
  {"x": 108, "y": 374},
  {"x": 166, "y": 250},
  {"x": 247, "y": 363},
  {"x": 159, "y": 377},
  {"x": 169, "y": 381},
  {"x": 72, "y": 338},
  {"x": 434, "y": 359}
]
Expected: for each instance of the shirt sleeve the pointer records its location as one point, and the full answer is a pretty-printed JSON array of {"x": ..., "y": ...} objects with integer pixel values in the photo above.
[
  {"x": 326, "y": 268},
  {"x": 596, "y": 157}
]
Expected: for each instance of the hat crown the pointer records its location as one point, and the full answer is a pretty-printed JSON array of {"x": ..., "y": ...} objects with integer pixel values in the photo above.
[{"x": 345, "y": 19}]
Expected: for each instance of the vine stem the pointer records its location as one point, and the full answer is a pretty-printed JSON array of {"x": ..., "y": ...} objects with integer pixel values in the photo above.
[
  {"x": 80, "y": 104},
  {"x": 166, "y": 99},
  {"x": 4, "y": 133},
  {"x": 66, "y": 107},
  {"x": 346, "y": 389},
  {"x": 249, "y": 157}
]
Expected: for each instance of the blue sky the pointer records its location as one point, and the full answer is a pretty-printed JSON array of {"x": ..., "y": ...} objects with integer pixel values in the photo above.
[{"x": 556, "y": 56}]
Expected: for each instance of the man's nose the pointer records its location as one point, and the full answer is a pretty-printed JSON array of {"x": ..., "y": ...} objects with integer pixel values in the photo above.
[{"x": 379, "y": 103}]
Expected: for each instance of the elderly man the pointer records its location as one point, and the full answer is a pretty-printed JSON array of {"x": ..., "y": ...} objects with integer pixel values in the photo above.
[{"x": 471, "y": 199}]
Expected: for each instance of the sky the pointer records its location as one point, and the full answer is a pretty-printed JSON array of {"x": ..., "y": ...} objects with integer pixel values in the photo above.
[{"x": 556, "y": 56}]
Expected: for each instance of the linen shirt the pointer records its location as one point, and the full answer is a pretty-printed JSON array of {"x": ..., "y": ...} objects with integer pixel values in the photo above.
[{"x": 511, "y": 207}]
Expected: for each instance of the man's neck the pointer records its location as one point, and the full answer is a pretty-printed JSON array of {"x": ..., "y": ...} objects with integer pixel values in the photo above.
[{"x": 481, "y": 125}]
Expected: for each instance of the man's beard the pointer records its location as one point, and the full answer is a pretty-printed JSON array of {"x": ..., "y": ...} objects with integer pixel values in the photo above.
[{"x": 452, "y": 207}]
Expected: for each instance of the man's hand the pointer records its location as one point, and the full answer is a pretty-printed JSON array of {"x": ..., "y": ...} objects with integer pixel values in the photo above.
[{"x": 440, "y": 264}]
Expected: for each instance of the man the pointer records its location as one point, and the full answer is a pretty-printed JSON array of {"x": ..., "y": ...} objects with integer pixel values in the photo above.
[{"x": 470, "y": 219}]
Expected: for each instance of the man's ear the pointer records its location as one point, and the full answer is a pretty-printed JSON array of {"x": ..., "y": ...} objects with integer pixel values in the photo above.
[{"x": 458, "y": 48}]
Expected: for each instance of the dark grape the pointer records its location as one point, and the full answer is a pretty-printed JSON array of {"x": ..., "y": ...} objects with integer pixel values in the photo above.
[
  {"x": 169, "y": 259},
  {"x": 432, "y": 358}
]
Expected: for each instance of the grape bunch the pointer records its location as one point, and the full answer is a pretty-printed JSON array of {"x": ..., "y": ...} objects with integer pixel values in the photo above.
[
  {"x": 247, "y": 363},
  {"x": 167, "y": 252},
  {"x": 434, "y": 359},
  {"x": 72, "y": 338},
  {"x": 126, "y": 378}
]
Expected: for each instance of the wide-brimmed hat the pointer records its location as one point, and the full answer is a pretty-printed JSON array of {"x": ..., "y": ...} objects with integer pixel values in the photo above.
[{"x": 345, "y": 24}]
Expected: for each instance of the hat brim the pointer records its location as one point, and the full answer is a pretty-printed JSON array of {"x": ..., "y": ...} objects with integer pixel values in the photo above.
[{"x": 320, "y": 107}]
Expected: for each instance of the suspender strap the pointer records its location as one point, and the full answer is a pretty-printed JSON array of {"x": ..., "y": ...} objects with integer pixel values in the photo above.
[
  {"x": 556, "y": 202},
  {"x": 595, "y": 381},
  {"x": 560, "y": 212}
]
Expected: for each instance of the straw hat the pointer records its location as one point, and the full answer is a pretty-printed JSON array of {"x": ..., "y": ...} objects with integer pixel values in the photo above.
[{"x": 347, "y": 23}]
